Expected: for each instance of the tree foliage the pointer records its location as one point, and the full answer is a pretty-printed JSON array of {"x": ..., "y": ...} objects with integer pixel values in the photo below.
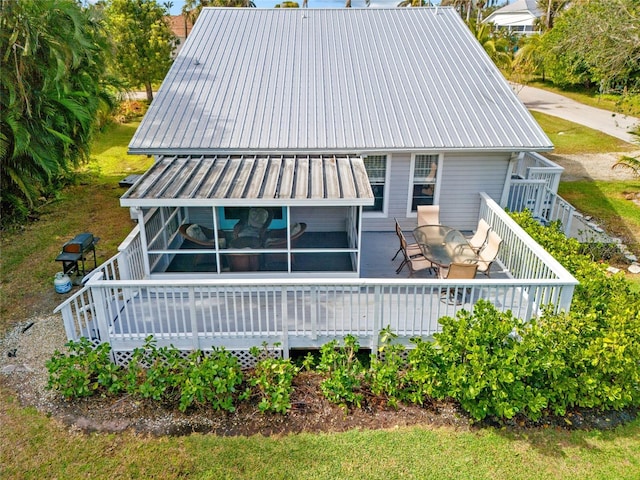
[
  {"x": 192, "y": 8},
  {"x": 596, "y": 42},
  {"x": 143, "y": 41},
  {"x": 51, "y": 91}
]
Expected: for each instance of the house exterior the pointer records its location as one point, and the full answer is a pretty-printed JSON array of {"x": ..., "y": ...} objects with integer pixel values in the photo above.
[
  {"x": 517, "y": 17},
  {"x": 338, "y": 120},
  {"x": 181, "y": 27}
]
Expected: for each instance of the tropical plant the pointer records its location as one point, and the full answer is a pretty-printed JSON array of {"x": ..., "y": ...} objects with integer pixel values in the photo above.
[
  {"x": 143, "y": 41},
  {"x": 52, "y": 89},
  {"x": 630, "y": 163},
  {"x": 192, "y": 8},
  {"x": 550, "y": 10},
  {"x": 596, "y": 42},
  {"x": 529, "y": 58},
  {"x": 496, "y": 46}
]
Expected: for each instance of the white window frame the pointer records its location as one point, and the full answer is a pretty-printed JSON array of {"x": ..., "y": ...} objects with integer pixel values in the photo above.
[
  {"x": 436, "y": 191},
  {"x": 385, "y": 200}
]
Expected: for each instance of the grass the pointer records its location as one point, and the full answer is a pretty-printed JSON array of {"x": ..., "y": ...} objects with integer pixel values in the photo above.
[
  {"x": 39, "y": 447},
  {"x": 35, "y": 446},
  {"x": 27, "y": 265},
  {"x": 570, "y": 138},
  {"x": 606, "y": 202}
]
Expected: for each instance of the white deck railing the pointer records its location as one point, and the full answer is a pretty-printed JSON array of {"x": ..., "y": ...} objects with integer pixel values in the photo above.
[
  {"x": 536, "y": 189},
  {"x": 303, "y": 313}
]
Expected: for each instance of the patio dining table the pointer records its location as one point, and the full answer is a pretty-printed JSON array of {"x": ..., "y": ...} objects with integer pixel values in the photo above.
[{"x": 443, "y": 245}]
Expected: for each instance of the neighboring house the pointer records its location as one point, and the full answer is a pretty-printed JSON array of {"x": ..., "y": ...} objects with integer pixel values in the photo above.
[
  {"x": 517, "y": 17},
  {"x": 335, "y": 122},
  {"x": 181, "y": 27}
]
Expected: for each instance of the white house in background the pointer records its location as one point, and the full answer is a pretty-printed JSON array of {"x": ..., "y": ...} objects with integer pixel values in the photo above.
[
  {"x": 336, "y": 122},
  {"x": 517, "y": 17}
]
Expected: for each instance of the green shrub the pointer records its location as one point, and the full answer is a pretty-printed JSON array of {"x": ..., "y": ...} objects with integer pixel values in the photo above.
[
  {"x": 344, "y": 371},
  {"x": 273, "y": 378},
  {"x": 385, "y": 373},
  {"x": 84, "y": 371},
  {"x": 209, "y": 380},
  {"x": 483, "y": 364}
]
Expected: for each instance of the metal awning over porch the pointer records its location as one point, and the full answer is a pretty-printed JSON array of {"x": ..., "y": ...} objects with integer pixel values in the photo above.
[{"x": 251, "y": 180}]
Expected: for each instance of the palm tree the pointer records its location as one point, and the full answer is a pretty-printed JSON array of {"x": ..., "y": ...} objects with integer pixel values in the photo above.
[
  {"x": 529, "y": 59},
  {"x": 415, "y": 3},
  {"x": 192, "y": 8},
  {"x": 630, "y": 163},
  {"x": 496, "y": 47},
  {"x": 51, "y": 91}
]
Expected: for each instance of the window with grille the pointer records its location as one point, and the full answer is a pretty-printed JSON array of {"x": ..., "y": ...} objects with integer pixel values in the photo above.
[
  {"x": 425, "y": 169},
  {"x": 376, "y": 166}
]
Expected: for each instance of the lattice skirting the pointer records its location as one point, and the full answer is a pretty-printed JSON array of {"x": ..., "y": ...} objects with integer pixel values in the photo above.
[{"x": 246, "y": 359}]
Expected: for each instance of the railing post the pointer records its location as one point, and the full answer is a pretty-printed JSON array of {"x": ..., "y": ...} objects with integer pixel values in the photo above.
[
  {"x": 67, "y": 319},
  {"x": 377, "y": 317},
  {"x": 313, "y": 313},
  {"x": 565, "y": 298},
  {"x": 193, "y": 316},
  {"x": 285, "y": 322},
  {"x": 99, "y": 301}
]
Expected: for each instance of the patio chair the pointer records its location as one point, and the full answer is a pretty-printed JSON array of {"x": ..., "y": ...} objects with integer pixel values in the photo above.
[
  {"x": 428, "y": 215},
  {"x": 201, "y": 236},
  {"x": 489, "y": 253},
  {"x": 277, "y": 238},
  {"x": 197, "y": 236},
  {"x": 412, "y": 248},
  {"x": 416, "y": 263},
  {"x": 255, "y": 225},
  {"x": 457, "y": 295},
  {"x": 480, "y": 237}
]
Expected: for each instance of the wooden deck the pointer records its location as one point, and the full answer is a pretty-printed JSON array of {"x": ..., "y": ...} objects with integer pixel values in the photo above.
[{"x": 120, "y": 306}]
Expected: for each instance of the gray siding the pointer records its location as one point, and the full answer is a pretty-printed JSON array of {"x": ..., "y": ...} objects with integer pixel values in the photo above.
[{"x": 463, "y": 177}]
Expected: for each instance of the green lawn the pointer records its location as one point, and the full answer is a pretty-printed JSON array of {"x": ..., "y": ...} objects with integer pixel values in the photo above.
[
  {"x": 37, "y": 447},
  {"x": 570, "y": 138}
]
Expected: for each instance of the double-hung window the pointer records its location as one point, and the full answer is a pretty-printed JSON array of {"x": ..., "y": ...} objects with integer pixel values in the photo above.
[
  {"x": 425, "y": 169},
  {"x": 376, "y": 166}
]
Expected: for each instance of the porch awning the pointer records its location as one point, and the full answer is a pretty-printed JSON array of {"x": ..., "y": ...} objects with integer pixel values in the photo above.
[{"x": 250, "y": 180}]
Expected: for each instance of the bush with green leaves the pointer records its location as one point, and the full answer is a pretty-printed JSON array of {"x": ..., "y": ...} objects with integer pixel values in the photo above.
[
  {"x": 210, "y": 380},
  {"x": 84, "y": 371},
  {"x": 344, "y": 372},
  {"x": 385, "y": 374},
  {"x": 479, "y": 360},
  {"x": 273, "y": 378},
  {"x": 164, "y": 375}
]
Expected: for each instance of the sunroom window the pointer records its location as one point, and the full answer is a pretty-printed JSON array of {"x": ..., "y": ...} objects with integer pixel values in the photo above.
[
  {"x": 376, "y": 166},
  {"x": 425, "y": 170}
]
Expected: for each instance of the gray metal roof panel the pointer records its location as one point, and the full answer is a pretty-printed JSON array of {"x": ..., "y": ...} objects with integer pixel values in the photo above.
[
  {"x": 256, "y": 179},
  {"x": 334, "y": 80}
]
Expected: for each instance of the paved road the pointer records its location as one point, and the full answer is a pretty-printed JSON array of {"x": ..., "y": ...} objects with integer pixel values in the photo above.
[{"x": 614, "y": 124}]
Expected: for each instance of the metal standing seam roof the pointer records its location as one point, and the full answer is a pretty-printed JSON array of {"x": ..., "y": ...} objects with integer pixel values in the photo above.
[
  {"x": 334, "y": 81},
  {"x": 236, "y": 180}
]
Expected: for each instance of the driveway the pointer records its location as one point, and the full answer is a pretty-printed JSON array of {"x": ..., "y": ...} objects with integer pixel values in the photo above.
[{"x": 614, "y": 124}]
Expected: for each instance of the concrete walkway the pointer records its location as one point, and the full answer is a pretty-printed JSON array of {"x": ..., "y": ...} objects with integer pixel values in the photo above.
[{"x": 614, "y": 124}]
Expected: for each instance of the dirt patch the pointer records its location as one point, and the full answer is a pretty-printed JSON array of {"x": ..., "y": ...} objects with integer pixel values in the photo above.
[{"x": 592, "y": 166}]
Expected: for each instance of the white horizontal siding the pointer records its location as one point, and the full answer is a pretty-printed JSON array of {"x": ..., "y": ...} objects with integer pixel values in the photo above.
[{"x": 463, "y": 178}]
